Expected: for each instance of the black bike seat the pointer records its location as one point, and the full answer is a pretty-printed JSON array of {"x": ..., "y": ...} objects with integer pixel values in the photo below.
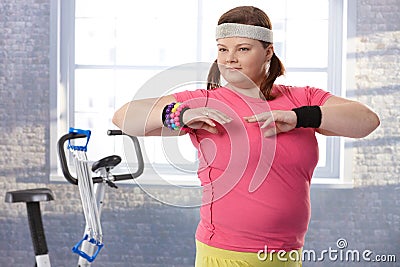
[
  {"x": 107, "y": 162},
  {"x": 29, "y": 195}
]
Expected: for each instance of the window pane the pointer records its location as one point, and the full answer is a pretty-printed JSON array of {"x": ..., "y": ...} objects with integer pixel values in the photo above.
[
  {"x": 154, "y": 45},
  {"x": 314, "y": 79},
  {"x": 307, "y": 43},
  {"x": 94, "y": 91},
  {"x": 94, "y": 41},
  {"x": 308, "y": 9},
  {"x": 95, "y": 8},
  {"x": 165, "y": 36},
  {"x": 129, "y": 82},
  {"x": 129, "y": 36},
  {"x": 164, "y": 150},
  {"x": 94, "y": 106}
]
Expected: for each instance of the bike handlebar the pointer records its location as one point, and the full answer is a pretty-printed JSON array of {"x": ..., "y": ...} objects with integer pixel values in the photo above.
[
  {"x": 136, "y": 144},
  {"x": 117, "y": 177}
]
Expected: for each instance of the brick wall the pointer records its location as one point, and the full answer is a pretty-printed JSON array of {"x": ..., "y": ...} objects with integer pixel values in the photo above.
[
  {"x": 143, "y": 232},
  {"x": 368, "y": 216}
]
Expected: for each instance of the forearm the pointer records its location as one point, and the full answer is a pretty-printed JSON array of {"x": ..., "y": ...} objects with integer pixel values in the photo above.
[
  {"x": 141, "y": 117},
  {"x": 349, "y": 119}
]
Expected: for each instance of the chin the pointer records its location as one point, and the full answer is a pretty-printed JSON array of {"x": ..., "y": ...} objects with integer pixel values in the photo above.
[
  {"x": 238, "y": 79},
  {"x": 240, "y": 83}
]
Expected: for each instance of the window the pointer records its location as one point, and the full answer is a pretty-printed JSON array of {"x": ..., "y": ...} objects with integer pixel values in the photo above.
[{"x": 106, "y": 50}]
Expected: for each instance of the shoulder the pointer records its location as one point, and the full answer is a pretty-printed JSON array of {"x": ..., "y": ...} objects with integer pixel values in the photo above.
[
  {"x": 189, "y": 94},
  {"x": 199, "y": 93},
  {"x": 302, "y": 95},
  {"x": 282, "y": 89},
  {"x": 291, "y": 92},
  {"x": 199, "y": 97}
]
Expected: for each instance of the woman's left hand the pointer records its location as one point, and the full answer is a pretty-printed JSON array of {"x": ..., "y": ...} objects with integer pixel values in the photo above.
[{"x": 276, "y": 121}]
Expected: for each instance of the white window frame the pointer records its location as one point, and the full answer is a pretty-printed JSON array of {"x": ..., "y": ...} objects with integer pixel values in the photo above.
[{"x": 62, "y": 76}]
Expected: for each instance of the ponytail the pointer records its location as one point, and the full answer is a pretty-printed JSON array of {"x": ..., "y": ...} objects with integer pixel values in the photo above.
[
  {"x": 214, "y": 77},
  {"x": 276, "y": 69}
]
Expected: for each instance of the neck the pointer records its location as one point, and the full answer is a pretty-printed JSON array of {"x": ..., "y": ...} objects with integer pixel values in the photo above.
[{"x": 251, "y": 91}]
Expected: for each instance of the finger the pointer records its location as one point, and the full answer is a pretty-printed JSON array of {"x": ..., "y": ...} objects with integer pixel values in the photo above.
[
  {"x": 224, "y": 116},
  {"x": 257, "y": 117},
  {"x": 270, "y": 132},
  {"x": 250, "y": 118},
  {"x": 210, "y": 112},
  {"x": 267, "y": 122},
  {"x": 254, "y": 118},
  {"x": 201, "y": 118},
  {"x": 210, "y": 129},
  {"x": 208, "y": 121},
  {"x": 219, "y": 117}
]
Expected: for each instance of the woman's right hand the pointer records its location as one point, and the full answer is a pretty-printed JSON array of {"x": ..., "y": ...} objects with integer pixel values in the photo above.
[{"x": 204, "y": 118}]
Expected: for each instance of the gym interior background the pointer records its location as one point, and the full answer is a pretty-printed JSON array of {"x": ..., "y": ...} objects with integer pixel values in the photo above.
[{"x": 143, "y": 232}]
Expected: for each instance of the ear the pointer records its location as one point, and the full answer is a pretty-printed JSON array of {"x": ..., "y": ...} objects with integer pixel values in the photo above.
[{"x": 270, "y": 52}]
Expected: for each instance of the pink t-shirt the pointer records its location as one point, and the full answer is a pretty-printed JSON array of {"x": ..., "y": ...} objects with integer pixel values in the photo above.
[{"x": 255, "y": 189}]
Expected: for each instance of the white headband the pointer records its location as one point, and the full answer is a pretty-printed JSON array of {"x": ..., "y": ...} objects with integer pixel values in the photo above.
[{"x": 243, "y": 30}]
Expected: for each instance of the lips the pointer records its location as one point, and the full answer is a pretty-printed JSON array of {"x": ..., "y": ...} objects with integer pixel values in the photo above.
[{"x": 233, "y": 69}]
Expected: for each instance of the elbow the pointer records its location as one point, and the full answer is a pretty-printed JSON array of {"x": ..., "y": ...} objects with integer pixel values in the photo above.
[
  {"x": 372, "y": 122},
  {"x": 118, "y": 118},
  {"x": 126, "y": 122}
]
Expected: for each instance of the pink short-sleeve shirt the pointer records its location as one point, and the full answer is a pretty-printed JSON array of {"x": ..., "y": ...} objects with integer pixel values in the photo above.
[{"x": 255, "y": 189}]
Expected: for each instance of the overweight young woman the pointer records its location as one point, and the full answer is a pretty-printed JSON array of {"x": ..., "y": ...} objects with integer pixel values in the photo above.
[{"x": 256, "y": 142}]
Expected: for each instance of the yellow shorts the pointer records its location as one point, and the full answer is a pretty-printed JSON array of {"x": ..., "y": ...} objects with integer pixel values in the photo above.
[{"x": 207, "y": 256}]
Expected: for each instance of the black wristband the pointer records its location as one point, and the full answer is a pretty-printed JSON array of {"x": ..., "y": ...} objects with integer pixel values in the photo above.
[
  {"x": 181, "y": 117},
  {"x": 308, "y": 116}
]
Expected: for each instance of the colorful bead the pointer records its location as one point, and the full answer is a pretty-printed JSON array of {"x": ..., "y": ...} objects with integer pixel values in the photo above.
[{"x": 173, "y": 115}]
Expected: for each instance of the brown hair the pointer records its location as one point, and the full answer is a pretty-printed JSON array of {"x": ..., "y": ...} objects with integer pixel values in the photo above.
[{"x": 249, "y": 15}]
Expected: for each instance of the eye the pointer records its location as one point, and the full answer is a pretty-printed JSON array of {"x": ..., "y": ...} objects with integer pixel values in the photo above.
[
  {"x": 221, "y": 49},
  {"x": 244, "y": 49}
]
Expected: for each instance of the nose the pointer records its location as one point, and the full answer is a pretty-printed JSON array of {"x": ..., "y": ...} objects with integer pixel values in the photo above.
[{"x": 231, "y": 57}]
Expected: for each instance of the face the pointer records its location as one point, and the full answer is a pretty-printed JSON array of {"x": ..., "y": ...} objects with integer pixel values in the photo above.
[{"x": 240, "y": 59}]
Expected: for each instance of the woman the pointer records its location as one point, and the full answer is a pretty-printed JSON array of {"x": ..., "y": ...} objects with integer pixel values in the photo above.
[{"x": 256, "y": 142}]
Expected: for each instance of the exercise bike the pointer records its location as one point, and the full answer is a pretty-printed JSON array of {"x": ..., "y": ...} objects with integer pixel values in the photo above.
[{"x": 89, "y": 247}]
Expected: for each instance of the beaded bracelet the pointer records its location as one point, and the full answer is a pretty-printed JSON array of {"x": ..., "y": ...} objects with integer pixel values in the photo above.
[{"x": 173, "y": 115}]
